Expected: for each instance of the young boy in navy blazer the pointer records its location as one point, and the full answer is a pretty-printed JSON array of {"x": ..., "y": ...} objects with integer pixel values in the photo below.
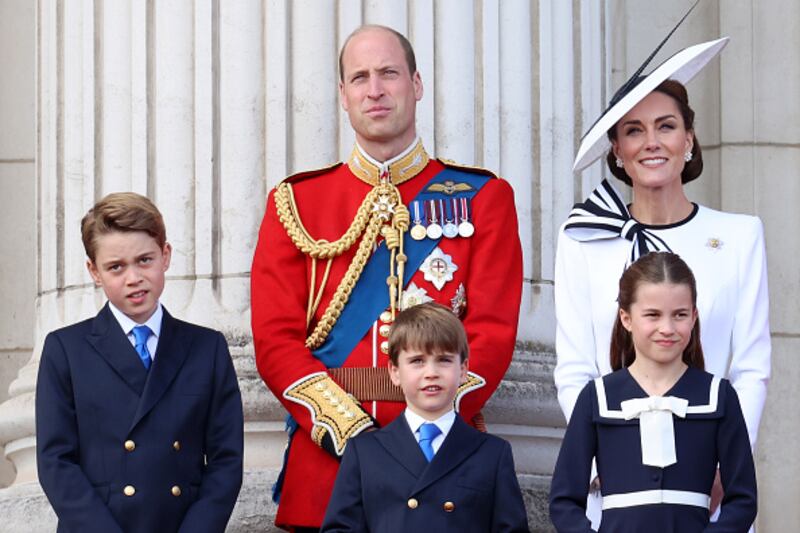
[
  {"x": 139, "y": 425},
  {"x": 427, "y": 470}
]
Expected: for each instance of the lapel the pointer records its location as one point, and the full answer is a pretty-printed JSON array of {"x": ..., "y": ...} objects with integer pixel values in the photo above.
[
  {"x": 170, "y": 355},
  {"x": 461, "y": 442},
  {"x": 400, "y": 443},
  {"x": 112, "y": 344}
]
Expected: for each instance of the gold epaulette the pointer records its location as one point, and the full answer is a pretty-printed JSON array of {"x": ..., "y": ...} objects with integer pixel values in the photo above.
[
  {"x": 334, "y": 413},
  {"x": 467, "y": 168},
  {"x": 473, "y": 382},
  {"x": 300, "y": 176}
]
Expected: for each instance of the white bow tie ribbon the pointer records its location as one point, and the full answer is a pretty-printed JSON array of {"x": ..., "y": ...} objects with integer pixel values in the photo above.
[{"x": 656, "y": 427}]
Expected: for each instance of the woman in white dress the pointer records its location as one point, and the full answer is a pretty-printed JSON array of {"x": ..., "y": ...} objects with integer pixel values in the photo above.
[{"x": 654, "y": 149}]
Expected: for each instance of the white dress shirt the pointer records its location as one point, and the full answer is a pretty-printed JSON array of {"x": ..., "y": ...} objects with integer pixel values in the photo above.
[
  {"x": 444, "y": 423},
  {"x": 154, "y": 323}
]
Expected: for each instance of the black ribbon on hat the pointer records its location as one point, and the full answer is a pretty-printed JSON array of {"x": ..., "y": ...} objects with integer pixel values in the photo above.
[
  {"x": 637, "y": 77},
  {"x": 605, "y": 216}
]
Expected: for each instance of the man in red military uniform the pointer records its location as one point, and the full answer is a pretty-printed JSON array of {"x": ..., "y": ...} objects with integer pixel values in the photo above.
[{"x": 342, "y": 249}]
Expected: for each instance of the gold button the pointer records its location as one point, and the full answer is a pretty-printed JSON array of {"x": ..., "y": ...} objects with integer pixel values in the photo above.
[
  {"x": 341, "y": 409},
  {"x": 384, "y": 330},
  {"x": 327, "y": 394},
  {"x": 334, "y": 401},
  {"x": 385, "y": 347},
  {"x": 413, "y": 503},
  {"x": 177, "y": 445},
  {"x": 386, "y": 316},
  {"x": 129, "y": 490},
  {"x": 449, "y": 507},
  {"x": 130, "y": 445},
  {"x": 176, "y": 490}
]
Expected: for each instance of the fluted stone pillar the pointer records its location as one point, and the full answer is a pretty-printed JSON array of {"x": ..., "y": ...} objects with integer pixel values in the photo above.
[{"x": 204, "y": 105}]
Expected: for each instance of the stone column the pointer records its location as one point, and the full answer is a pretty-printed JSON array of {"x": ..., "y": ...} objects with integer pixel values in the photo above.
[
  {"x": 204, "y": 106},
  {"x": 17, "y": 181},
  {"x": 760, "y": 158}
]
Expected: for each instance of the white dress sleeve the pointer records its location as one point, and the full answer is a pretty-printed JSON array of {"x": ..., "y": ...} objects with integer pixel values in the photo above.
[
  {"x": 750, "y": 341},
  {"x": 575, "y": 342}
]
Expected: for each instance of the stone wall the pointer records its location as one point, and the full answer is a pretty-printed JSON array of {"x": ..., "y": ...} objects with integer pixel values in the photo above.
[{"x": 205, "y": 105}]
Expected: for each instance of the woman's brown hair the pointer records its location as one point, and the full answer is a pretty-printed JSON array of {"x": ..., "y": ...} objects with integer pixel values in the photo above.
[
  {"x": 693, "y": 168},
  {"x": 655, "y": 267}
]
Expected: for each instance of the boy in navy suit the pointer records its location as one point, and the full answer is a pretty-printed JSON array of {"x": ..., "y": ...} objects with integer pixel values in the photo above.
[
  {"x": 427, "y": 470},
  {"x": 139, "y": 423}
]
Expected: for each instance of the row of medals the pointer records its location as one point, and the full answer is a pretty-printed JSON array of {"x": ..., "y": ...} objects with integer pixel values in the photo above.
[{"x": 441, "y": 215}]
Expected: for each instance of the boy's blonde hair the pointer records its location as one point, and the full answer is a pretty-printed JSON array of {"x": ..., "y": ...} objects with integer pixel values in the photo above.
[
  {"x": 429, "y": 327},
  {"x": 121, "y": 211}
]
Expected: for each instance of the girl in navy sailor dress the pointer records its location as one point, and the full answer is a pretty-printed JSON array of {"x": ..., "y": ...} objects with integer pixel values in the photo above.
[{"x": 659, "y": 425}]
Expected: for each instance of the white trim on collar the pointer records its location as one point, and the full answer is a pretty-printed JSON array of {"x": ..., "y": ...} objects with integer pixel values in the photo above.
[
  {"x": 605, "y": 412},
  {"x": 385, "y": 164}
]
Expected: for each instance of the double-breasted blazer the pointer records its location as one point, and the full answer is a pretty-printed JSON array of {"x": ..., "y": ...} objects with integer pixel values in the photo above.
[
  {"x": 385, "y": 484},
  {"x": 121, "y": 448}
]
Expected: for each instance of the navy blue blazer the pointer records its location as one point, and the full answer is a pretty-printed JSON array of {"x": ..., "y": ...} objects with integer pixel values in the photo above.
[
  {"x": 385, "y": 484},
  {"x": 120, "y": 448},
  {"x": 713, "y": 432}
]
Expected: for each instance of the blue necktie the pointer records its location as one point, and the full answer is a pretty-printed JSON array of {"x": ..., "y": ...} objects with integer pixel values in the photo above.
[
  {"x": 428, "y": 432},
  {"x": 141, "y": 334}
]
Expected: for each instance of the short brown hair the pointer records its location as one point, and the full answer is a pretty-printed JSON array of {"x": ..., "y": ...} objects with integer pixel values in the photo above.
[
  {"x": 655, "y": 267},
  {"x": 430, "y": 327},
  {"x": 408, "y": 50},
  {"x": 121, "y": 211},
  {"x": 693, "y": 168}
]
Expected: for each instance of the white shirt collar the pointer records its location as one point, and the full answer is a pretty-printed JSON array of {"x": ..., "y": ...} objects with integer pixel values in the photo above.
[
  {"x": 444, "y": 422},
  {"x": 127, "y": 324},
  {"x": 385, "y": 164}
]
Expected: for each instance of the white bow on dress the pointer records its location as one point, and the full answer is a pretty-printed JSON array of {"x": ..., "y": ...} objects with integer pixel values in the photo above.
[{"x": 656, "y": 428}]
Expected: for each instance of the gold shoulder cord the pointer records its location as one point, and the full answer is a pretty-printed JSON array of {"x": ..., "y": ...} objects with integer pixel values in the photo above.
[{"x": 382, "y": 211}]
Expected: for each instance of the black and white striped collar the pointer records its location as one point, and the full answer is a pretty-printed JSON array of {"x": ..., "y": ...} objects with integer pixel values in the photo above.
[{"x": 604, "y": 215}]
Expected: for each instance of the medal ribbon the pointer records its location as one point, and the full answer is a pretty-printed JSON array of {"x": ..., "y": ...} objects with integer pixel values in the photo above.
[{"x": 368, "y": 299}]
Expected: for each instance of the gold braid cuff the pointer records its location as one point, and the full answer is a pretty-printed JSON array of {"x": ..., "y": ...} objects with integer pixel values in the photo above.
[
  {"x": 334, "y": 412},
  {"x": 381, "y": 208},
  {"x": 473, "y": 382}
]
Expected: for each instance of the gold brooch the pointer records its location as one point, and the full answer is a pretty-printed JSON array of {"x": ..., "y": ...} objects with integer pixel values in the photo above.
[{"x": 714, "y": 243}]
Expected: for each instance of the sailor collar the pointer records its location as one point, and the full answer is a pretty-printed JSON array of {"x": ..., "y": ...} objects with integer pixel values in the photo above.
[
  {"x": 400, "y": 168},
  {"x": 700, "y": 389},
  {"x": 694, "y": 394}
]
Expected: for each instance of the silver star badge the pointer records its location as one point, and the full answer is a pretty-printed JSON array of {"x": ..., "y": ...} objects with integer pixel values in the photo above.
[
  {"x": 438, "y": 268},
  {"x": 414, "y": 295},
  {"x": 384, "y": 206}
]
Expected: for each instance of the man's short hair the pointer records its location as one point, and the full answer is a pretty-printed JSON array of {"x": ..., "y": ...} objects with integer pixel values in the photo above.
[
  {"x": 121, "y": 211},
  {"x": 430, "y": 328},
  {"x": 408, "y": 50}
]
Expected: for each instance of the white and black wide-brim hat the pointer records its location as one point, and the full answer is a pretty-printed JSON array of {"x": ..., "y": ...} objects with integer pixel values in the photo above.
[{"x": 682, "y": 67}]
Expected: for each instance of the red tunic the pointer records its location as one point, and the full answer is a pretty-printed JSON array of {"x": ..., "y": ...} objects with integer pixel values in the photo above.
[{"x": 489, "y": 266}]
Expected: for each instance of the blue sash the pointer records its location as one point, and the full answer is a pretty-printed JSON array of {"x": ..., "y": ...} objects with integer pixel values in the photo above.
[{"x": 370, "y": 296}]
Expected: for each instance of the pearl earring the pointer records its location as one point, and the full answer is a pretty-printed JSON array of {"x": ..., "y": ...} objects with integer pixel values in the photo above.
[
  {"x": 687, "y": 156},
  {"x": 620, "y": 163}
]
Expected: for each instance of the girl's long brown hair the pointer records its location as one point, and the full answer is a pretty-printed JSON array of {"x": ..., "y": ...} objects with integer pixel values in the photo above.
[{"x": 655, "y": 267}]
